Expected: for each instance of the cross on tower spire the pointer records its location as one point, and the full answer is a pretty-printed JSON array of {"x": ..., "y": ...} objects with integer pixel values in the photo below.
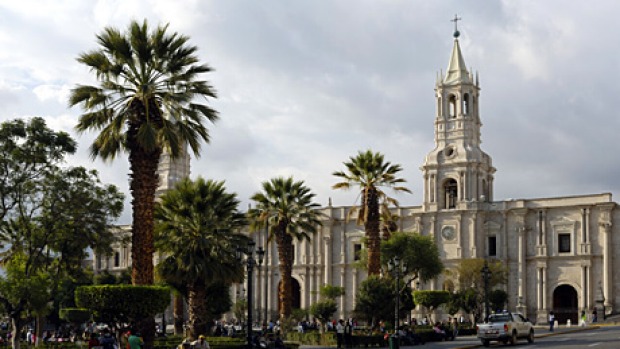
[{"x": 456, "y": 31}]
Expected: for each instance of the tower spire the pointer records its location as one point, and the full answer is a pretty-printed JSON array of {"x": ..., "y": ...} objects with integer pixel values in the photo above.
[
  {"x": 456, "y": 30},
  {"x": 457, "y": 70}
]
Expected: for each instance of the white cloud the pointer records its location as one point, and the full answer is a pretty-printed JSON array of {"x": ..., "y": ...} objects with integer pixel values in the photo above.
[{"x": 304, "y": 85}]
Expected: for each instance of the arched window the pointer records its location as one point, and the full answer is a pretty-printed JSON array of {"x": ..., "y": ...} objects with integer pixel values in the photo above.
[
  {"x": 117, "y": 259},
  {"x": 451, "y": 193},
  {"x": 448, "y": 285},
  {"x": 439, "y": 109},
  {"x": 484, "y": 196},
  {"x": 452, "y": 102},
  {"x": 466, "y": 104}
]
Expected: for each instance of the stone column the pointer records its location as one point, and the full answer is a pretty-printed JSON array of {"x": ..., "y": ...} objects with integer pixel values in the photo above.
[
  {"x": 607, "y": 255},
  {"x": 328, "y": 261},
  {"x": 313, "y": 289},
  {"x": 522, "y": 266},
  {"x": 539, "y": 289},
  {"x": 584, "y": 287}
]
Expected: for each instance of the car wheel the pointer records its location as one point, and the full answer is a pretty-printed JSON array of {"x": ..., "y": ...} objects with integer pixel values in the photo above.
[
  {"x": 485, "y": 342},
  {"x": 530, "y": 337},
  {"x": 513, "y": 338}
]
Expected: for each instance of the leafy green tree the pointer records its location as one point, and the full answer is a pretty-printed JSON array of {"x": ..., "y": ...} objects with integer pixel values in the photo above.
[
  {"x": 431, "y": 299},
  {"x": 145, "y": 103},
  {"x": 370, "y": 172},
  {"x": 498, "y": 299},
  {"x": 375, "y": 300},
  {"x": 196, "y": 228},
  {"x": 22, "y": 289},
  {"x": 286, "y": 208},
  {"x": 418, "y": 254},
  {"x": 323, "y": 310},
  {"x": 50, "y": 217},
  {"x": 327, "y": 306},
  {"x": 469, "y": 277},
  {"x": 466, "y": 300},
  {"x": 331, "y": 292}
]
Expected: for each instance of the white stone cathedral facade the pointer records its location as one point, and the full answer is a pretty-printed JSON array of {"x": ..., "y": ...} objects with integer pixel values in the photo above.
[{"x": 559, "y": 251}]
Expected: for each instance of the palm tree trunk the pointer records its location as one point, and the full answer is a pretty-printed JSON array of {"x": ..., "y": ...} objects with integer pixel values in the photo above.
[
  {"x": 371, "y": 226},
  {"x": 197, "y": 309},
  {"x": 285, "y": 257},
  {"x": 179, "y": 314},
  {"x": 144, "y": 180},
  {"x": 143, "y": 183}
]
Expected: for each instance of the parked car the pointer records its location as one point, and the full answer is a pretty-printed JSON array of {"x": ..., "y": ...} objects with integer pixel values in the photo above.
[{"x": 505, "y": 327}]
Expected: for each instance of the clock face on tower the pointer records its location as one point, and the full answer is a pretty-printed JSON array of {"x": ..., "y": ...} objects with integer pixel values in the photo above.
[{"x": 448, "y": 233}]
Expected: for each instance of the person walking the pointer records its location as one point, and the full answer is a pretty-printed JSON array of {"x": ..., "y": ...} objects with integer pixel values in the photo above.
[
  {"x": 584, "y": 318},
  {"x": 594, "y": 316},
  {"x": 551, "y": 321},
  {"x": 340, "y": 333},
  {"x": 348, "y": 333}
]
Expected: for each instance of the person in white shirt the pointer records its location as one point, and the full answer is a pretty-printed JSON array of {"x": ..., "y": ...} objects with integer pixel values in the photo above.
[
  {"x": 551, "y": 321},
  {"x": 340, "y": 333}
]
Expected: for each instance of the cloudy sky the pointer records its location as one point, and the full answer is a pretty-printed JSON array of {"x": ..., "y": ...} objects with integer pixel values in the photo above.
[{"x": 304, "y": 85}]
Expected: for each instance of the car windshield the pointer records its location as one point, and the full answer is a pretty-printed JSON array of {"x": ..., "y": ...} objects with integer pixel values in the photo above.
[{"x": 499, "y": 318}]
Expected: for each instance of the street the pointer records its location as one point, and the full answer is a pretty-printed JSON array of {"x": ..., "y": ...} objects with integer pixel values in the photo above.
[{"x": 607, "y": 337}]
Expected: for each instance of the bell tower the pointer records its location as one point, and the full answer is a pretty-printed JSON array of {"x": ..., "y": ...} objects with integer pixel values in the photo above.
[{"x": 457, "y": 171}]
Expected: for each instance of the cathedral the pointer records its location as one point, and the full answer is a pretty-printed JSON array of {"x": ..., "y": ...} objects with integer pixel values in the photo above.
[{"x": 558, "y": 251}]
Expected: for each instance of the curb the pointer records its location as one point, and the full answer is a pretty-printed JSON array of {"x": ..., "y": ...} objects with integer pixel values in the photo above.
[{"x": 577, "y": 329}]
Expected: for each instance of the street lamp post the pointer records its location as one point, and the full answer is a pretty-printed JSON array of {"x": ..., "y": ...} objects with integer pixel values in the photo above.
[
  {"x": 250, "y": 262},
  {"x": 397, "y": 268},
  {"x": 486, "y": 273}
]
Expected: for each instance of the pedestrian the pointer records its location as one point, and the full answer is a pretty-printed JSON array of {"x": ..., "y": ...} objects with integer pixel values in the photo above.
[
  {"x": 201, "y": 343},
  {"x": 551, "y": 321},
  {"x": 348, "y": 333},
  {"x": 340, "y": 333},
  {"x": 455, "y": 328},
  {"x": 594, "y": 316},
  {"x": 584, "y": 318},
  {"x": 93, "y": 341},
  {"x": 134, "y": 340}
]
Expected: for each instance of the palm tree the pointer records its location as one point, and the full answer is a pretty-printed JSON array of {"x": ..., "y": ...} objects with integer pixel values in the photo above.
[
  {"x": 196, "y": 225},
  {"x": 369, "y": 171},
  {"x": 144, "y": 104},
  {"x": 286, "y": 208}
]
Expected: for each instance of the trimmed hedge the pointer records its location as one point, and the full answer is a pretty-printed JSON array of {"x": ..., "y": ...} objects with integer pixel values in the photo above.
[
  {"x": 123, "y": 302},
  {"x": 78, "y": 315}
]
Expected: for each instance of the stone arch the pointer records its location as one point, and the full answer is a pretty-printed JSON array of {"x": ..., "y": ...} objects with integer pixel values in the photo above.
[
  {"x": 295, "y": 294},
  {"x": 448, "y": 285},
  {"x": 450, "y": 190},
  {"x": 452, "y": 106},
  {"x": 566, "y": 304},
  {"x": 466, "y": 107}
]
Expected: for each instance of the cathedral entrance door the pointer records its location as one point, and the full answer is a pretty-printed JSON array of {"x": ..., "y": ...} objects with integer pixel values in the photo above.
[
  {"x": 296, "y": 296},
  {"x": 565, "y": 304}
]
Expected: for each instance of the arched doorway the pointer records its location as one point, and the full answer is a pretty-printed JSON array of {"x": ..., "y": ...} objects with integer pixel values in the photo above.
[
  {"x": 296, "y": 294},
  {"x": 450, "y": 189},
  {"x": 565, "y": 304}
]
